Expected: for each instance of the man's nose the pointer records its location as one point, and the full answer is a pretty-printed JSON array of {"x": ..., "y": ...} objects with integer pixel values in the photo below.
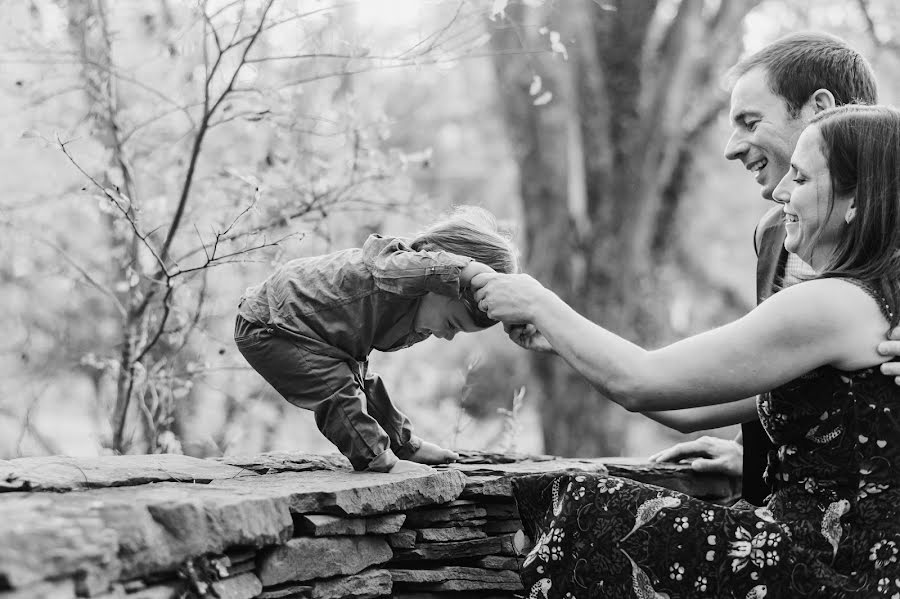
[{"x": 736, "y": 146}]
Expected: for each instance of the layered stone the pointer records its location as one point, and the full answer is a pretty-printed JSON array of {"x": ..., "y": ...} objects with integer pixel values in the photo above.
[
  {"x": 457, "y": 578},
  {"x": 307, "y": 558},
  {"x": 60, "y": 473},
  {"x": 320, "y": 525},
  {"x": 352, "y": 494}
]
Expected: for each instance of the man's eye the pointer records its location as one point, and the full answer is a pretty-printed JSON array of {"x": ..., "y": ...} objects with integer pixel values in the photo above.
[{"x": 751, "y": 126}]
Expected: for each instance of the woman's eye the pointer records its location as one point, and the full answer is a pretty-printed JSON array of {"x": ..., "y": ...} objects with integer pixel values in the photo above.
[{"x": 799, "y": 180}]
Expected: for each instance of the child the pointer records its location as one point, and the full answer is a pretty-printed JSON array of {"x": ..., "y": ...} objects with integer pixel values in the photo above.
[{"x": 308, "y": 329}]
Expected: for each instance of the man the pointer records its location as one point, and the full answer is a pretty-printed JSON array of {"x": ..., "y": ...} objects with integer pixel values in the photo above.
[{"x": 776, "y": 91}]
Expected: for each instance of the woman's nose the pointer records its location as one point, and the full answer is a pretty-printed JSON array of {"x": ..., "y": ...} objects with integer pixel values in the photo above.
[{"x": 782, "y": 193}]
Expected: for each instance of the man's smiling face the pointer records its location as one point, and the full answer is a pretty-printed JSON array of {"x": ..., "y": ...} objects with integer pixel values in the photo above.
[{"x": 764, "y": 132}]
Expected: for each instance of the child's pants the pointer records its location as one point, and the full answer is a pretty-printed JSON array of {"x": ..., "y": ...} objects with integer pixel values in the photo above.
[{"x": 352, "y": 406}]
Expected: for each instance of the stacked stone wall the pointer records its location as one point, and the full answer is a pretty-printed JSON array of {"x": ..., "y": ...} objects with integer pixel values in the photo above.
[{"x": 275, "y": 526}]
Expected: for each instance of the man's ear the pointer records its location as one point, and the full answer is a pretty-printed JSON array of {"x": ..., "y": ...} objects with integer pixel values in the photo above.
[{"x": 822, "y": 99}]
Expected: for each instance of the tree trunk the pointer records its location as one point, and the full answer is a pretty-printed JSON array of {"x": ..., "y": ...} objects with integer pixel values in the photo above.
[{"x": 601, "y": 169}]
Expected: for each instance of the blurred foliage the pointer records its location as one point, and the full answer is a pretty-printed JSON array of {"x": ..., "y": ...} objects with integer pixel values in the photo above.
[{"x": 341, "y": 120}]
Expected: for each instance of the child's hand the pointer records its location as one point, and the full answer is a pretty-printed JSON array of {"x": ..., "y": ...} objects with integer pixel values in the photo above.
[{"x": 528, "y": 337}]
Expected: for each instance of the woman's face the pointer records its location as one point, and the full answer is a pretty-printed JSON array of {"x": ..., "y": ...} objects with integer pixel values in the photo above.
[{"x": 811, "y": 232}]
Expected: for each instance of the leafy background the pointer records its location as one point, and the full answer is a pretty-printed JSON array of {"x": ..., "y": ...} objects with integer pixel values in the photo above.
[{"x": 154, "y": 170}]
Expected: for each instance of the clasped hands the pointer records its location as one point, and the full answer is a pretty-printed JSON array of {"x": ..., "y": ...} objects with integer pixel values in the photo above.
[{"x": 514, "y": 300}]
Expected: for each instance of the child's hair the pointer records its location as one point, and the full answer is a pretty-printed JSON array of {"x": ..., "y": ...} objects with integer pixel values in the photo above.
[{"x": 472, "y": 232}]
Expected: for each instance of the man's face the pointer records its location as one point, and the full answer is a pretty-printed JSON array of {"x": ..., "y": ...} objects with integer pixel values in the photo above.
[{"x": 764, "y": 132}]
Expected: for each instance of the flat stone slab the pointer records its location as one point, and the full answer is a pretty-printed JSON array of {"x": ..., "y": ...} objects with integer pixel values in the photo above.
[
  {"x": 59, "y": 473},
  {"x": 443, "y": 535},
  {"x": 308, "y": 558},
  {"x": 367, "y": 584},
  {"x": 501, "y": 511},
  {"x": 287, "y": 461},
  {"x": 456, "y": 513},
  {"x": 64, "y": 589},
  {"x": 243, "y": 586},
  {"x": 160, "y": 526},
  {"x": 46, "y": 537},
  {"x": 457, "y": 578},
  {"x": 499, "y": 562},
  {"x": 500, "y": 545},
  {"x": 714, "y": 488},
  {"x": 352, "y": 493},
  {"x": 320, "y": 525},
  {"x": 104, "y": 535},
  {"x": 494, "y": 480},
  {"x": 288, "y": 590},
  {"x": 404, "y": 539}
]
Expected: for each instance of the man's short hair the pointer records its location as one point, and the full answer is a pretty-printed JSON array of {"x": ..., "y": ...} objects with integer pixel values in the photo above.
[{"x": 799, "y": 64}]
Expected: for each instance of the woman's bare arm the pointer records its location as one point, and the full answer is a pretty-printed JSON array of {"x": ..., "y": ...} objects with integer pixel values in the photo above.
[{"x": 820, "y": 322}]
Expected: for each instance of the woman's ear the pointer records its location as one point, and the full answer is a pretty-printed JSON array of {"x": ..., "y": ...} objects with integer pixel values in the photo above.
[
  {"x": 851, "y": 212},
  {"x": 822, "y": 99}
]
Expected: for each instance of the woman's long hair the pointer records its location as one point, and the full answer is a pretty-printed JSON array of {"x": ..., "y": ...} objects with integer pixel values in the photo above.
[{"x": 861, "y": 145}]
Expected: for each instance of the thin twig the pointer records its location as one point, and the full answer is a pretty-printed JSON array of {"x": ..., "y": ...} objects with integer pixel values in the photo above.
[
  {"x": 115, "y": 202},
  {"x": 407, "y": 64},
  {"x": 870, "y": 28}
]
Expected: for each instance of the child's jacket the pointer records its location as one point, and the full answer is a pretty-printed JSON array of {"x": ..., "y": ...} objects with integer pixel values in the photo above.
[{"x": 349, "y": 302}]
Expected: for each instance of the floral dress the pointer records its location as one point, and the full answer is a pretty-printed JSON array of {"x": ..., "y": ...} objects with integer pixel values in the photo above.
[{"x": 831, "y": 527}]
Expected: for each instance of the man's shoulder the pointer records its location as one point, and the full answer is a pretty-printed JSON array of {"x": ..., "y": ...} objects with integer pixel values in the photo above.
[
  {"x": 771, "y": 221},
  {"x": 774, "y": 217}
]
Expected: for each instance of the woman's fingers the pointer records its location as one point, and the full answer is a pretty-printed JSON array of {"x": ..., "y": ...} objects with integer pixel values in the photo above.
[{"x": 481, "y": 279}]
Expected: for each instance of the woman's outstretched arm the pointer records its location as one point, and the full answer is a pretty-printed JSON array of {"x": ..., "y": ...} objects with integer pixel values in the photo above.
[
  {"x": 691, "y": 420},
  {"x": 808, "y": 325}
]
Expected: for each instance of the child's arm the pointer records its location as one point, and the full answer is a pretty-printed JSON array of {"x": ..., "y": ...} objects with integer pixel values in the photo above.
[{"x": 399, "y": 269}]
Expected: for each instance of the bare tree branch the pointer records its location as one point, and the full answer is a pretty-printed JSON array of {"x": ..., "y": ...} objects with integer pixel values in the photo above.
[
  {"x": 436, "y": 35},
  {"x": 201, "y": 133},
  {"x": 83, "y": 272},
  {"x": 117, "y": 204},
  {"x": 294, "y": 17},
  {"x": 411, "y": 63},
  {"x": 866, "y": 13},
  {"x": 208, "y": 23},
  {"x": 28, "y": 427}
]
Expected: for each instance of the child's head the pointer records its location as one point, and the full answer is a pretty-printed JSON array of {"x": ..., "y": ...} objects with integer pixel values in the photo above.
[{"x": 472, "y": 232}]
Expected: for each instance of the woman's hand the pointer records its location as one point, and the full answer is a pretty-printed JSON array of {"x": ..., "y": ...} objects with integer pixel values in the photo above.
[
  {"x": 512, "y": 299},
  {"x": 528, "y": 337}
]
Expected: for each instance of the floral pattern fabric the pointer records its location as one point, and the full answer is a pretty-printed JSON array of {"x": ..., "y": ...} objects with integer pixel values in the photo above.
[{"x": 830, "y": 528}]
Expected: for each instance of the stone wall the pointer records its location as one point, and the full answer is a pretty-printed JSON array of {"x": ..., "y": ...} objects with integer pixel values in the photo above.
[{"x": 275, "y": 526}]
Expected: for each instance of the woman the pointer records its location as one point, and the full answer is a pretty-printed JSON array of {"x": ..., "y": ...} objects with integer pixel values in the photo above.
[{"x": 831, "y": 527}]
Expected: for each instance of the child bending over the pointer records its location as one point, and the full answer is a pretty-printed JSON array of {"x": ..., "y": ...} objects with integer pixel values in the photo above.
[{"x": 308, "y": 329}]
